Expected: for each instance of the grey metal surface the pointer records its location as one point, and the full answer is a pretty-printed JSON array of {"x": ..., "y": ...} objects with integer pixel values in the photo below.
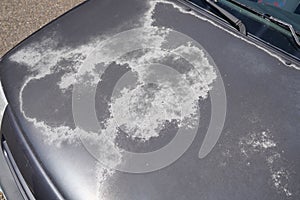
[
  {"x": 256, "y": 156},
  {"x": 7, "y": 181}
]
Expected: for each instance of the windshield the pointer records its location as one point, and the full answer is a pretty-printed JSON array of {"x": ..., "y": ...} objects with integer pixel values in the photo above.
[
  {"x": 286, "y": 10},
  {"x": 254, "y": 14}
]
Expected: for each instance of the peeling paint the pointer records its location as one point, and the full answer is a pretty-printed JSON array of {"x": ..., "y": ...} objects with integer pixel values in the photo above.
[
  {"x": 140, "y": 110},
  {"x": 264, "y": 144},
  {"x": 280, "y": 179},
  {"x": 176, "y": 97}
]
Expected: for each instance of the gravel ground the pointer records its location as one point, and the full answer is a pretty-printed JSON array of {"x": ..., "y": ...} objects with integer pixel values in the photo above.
[{"x": 20, "y": 18}]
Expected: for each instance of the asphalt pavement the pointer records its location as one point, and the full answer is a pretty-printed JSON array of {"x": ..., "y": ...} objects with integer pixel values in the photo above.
[{"x": 20, "y": 18}]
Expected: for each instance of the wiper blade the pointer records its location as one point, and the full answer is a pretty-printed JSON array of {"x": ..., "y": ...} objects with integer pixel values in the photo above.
[
  {"x": 231, "y": 18},
  {"x": 272, "y": 19},
  {"x": 282, "y": 23}
]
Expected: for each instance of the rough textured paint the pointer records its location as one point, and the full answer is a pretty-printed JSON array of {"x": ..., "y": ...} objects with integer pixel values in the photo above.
[
  {"x": 263, "y": 143},
  {"x": 176, "y": 98},
  {"x": 44, "y": 64},
  {"x": 162, "y": 101}
]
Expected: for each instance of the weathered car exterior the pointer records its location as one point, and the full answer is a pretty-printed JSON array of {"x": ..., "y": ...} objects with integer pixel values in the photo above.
[{"x": 256, "y": 156}]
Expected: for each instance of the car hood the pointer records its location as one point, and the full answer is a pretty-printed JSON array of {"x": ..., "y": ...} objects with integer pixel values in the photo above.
[{"x": 110, "y": 81}]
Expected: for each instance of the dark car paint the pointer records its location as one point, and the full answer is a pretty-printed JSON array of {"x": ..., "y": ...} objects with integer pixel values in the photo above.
[
  {"x": 263, "y": 94},
  {"x": 38, "y": 185}
]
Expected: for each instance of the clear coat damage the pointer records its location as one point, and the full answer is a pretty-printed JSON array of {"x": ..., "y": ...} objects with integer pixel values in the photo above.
[{"x": 140, "y": 103}]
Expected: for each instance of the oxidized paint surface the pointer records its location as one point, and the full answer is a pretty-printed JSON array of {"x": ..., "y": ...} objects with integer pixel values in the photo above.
[{"x": 148, "y": 83}]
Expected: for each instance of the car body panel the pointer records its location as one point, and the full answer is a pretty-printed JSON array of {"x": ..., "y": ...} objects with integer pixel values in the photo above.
[{"x": 256, "y": 156}]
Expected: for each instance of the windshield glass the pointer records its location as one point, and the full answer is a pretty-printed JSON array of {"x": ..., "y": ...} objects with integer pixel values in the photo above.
[
  {"x": 285, "y": 10},
  {"x": 253, "y": 14}
]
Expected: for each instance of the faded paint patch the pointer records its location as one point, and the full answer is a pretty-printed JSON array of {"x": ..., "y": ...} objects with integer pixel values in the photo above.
[
  {"x": 160, "y": 96},
  {"x": 139, "y": 109},
  {"x": 264, "y": 144},
  {"x": 257, "y": 141},
  {"x": 151, "y": 105}
]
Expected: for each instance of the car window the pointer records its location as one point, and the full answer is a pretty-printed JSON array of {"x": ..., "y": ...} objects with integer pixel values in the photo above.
[
  {"x": 254, "y": 14},
  {"x": 286, "y": 10}
]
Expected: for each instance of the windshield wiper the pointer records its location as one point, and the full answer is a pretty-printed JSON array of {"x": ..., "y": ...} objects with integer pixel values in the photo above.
[
  {"x": 270, "y": 18},
  {"x": 282, "y": 23},
  {"x": 231, "y": 18}
]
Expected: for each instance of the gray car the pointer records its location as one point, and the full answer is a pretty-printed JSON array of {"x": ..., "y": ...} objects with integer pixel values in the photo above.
[{"x": 154, "y": 99}]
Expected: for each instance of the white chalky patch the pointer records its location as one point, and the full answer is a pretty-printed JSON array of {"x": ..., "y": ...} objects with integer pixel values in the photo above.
[
  {"x": 44, "y": 58},
  {"x": 41, "y": 59},
  {"x": 263, "y": 143}
]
